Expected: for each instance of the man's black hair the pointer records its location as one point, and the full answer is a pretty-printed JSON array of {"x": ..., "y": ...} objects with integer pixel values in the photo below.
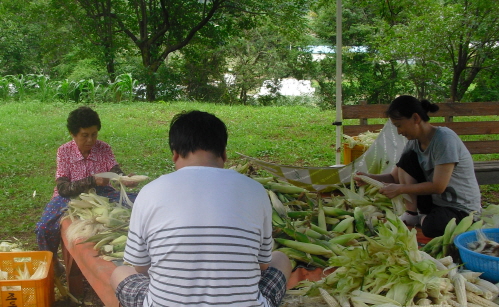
[{"x": 196, "y": 130}]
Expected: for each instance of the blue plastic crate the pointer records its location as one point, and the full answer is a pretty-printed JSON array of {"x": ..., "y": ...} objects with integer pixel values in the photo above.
[{"x": 477, "y": 262}]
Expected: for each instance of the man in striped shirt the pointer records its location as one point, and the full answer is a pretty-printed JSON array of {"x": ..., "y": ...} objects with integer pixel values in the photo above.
[{"x": 201, "y": 235}]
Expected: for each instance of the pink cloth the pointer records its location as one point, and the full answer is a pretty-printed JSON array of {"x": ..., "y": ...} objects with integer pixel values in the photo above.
[{"x": 72, "y": 165}]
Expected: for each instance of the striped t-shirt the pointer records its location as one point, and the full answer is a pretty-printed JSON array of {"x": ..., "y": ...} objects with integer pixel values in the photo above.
[{"x": 203, "y": 231}]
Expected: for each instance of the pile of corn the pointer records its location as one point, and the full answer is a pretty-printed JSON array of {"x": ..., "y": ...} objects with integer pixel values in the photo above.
[
  {"x": 389, "y": 270},
  {"x": 375, "y": 256},
  {"x": 365, "y": 139},
  {"x": 442, "y": 246},
  {"x": 309, "y": 228},
  {"x": 96, "y": 219}
]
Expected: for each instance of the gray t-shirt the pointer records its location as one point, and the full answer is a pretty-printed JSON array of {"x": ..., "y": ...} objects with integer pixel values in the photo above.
[{"x": 462, "y": 192}]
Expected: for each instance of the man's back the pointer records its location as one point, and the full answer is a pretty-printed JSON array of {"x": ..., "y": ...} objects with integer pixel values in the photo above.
[{"x": 204, "y": 231}]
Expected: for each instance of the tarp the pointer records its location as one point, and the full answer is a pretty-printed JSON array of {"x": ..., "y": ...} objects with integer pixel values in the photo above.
[{"x": 380, "y": 158}]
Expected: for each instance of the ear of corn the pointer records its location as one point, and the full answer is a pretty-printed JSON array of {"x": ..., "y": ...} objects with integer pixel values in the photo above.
[
  {"x": 476, "y": 225},
  {"x": 462, "y": 226},
  {"x": 262, "y": 180},
  {"x": 345, "y": 238},
  {"x": 343, "y": 225},
  {"x": 336, "y": 211},
  {"x": 310, "y": 248},
  {"x": 303, "y": 257},
  {"x": 321, "y": 217},
  {"x": 109, "y": 221},
  {"x": 398, "y": 201},
  {"x": 460, "y": 289},
  {"x": 313, "y": 234},
  {"x": 476, "y": 299},
  {"x": 487, "y": 285},
  {"x": 446, "y": 240},
  {"x": 319, "y": 229},
  {"x": 330, "y": 301},
  {"x": 298, "y": 236},
  {"x": 277, "y": 204},
  {"x": 287, "y": 189},
  {"x": 104, "y": 241},
  {"x": 374, "y": 299}
]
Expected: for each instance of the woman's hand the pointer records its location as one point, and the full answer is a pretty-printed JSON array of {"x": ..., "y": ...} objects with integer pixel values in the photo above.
[
  {"x": 391, "y": 190},
  {"x": 359, "y": 182},
  {"x": 99, "y": 181}
]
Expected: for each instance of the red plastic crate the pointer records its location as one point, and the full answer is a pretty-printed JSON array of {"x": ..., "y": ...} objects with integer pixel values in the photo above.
[{"x": 26, "y": 292}]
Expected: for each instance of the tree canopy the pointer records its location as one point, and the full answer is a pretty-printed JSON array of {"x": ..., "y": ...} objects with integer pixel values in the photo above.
[{"x": 222, "y": 50}]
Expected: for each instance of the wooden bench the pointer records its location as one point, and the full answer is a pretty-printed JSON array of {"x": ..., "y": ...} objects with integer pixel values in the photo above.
[{"x": 469, "y": 113}]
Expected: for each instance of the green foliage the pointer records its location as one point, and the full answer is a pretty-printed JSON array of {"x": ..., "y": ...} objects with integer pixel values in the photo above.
[{"x": 123, "y": 88}]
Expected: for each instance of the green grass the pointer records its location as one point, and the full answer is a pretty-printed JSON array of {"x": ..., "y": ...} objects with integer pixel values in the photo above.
[{"x": 31, "y": 132}]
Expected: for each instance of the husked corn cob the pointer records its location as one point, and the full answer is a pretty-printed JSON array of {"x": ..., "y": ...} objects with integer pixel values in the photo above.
[
  {"x": 471, "y": 287},
  {"x": 487, "y": 285},
  {"x": 460, "y": 289},
  {"x": 446, "y": 260},
  {"x": 331, "y": 301},
  {"x": 370, "y": 298},
  {"x": 343, "y": 300},
  {"x": 476, "y": 299}
]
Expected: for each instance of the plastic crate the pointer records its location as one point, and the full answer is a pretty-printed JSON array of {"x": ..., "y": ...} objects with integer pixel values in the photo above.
[
  {"x": 350, "y": 154},
  {"x": 26, "y": 292},
  {"x": 477, "y": 262}
]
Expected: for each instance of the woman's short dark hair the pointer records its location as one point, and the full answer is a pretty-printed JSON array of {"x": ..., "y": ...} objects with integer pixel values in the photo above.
[
  {"x": 83, "y": 117},
  {"x": 195, "y": 130},
  {"x": 406, "y": 106}
]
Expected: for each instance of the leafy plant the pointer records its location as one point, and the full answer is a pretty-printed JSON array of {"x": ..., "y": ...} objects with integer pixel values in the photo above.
[
  {"x": 19, "y": 84},
  {"x": 4, "y": 87},
  {"x": 124, "y": 87}
]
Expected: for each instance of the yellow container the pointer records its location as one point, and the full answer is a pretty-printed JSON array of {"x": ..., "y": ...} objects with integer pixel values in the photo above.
[
  {"x": 27, "y": 292},
  {"x": 350, "y": 154}
]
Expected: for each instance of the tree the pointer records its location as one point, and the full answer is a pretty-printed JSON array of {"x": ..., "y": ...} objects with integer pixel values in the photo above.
[
  {"x": 365, "y": 75},
  {"x": 159, "y": 27},
  {"x": 20, "y": 38},
  {"x": 444, "y": 44}
]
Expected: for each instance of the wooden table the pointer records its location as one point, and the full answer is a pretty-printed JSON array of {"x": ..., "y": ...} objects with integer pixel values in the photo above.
[{"x": 81, "y": 262}]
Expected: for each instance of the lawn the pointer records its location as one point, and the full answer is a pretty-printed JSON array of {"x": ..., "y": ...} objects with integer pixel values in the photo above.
[{"x": 31, "y": 132}]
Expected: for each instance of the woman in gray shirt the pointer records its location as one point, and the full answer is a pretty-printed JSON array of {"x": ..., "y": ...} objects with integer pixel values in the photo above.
[{"x": 435, "y": 169}]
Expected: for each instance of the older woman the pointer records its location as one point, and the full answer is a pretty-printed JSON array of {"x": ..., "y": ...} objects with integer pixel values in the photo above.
[{"x": 77, "y": 163}]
